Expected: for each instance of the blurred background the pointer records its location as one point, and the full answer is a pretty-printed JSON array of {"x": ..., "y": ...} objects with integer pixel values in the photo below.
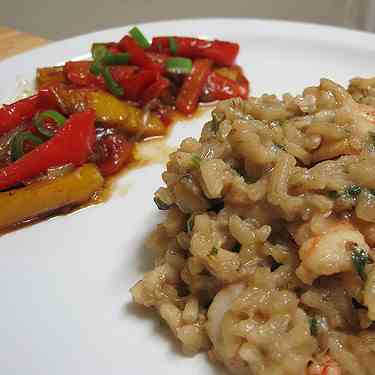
[{"x": 56, "y": 20}]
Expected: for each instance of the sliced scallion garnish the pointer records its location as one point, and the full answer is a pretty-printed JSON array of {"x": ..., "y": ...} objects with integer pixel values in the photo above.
[
  {"x": 18, "y": 141},
  {"x": 95, "y": 68},
  {"x": 116, "y": 58},
  {"x": 173, "y": 45},
  {"x": 57, "y": 117},
  {"x": 139, "y": 37},
  {"x": 112, "y": 85},
  {"x": 179, "y": 65},
  {"x": 98, "y": 51}
]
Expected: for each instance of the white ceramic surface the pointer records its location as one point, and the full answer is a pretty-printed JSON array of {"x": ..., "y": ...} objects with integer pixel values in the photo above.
[{"x": 65, "y": 306}]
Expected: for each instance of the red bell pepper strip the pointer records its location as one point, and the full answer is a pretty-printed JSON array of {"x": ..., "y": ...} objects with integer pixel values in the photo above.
[
  {"x": 219, "y": 87},
  {"x": 187, "y": 99},
  {"x": 155, "y": 90},
  {"x": 120, "y": 72},
  {"x": 47, "y": 98},
  {"x": 137, "y": 55},
  {"x": 71, "y": 144},
  {"x": 137, "y": 83},
  {"x": 158, "y": 58},
  {"x": 13, "y": 114},
  {"x": 113, "y": 47},
  {"x": 115, "y": 151},
  {"x": 78, "y": 72},
  {"x": 221, "y": 52}
]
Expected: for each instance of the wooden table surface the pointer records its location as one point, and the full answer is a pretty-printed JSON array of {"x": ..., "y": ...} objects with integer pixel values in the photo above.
[{"x": 13, "y": 42}]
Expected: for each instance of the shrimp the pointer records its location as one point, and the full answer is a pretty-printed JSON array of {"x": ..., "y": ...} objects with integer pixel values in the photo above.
[
  {"x": 328, "y": 253},
  {"x": 328, "y": 367}
]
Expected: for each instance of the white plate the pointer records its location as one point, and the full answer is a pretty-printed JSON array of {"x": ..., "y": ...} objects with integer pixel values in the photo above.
[{"x": 65, "y": 306}]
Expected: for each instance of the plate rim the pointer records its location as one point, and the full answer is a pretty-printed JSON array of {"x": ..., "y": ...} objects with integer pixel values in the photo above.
[{"x": 308, "y": 28}]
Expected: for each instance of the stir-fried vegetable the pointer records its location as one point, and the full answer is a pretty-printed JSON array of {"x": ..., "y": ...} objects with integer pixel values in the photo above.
[
  {"x": 57, "y": 117},
  {"x": 360, "y": 258},
  {"x": 224, "y": 84},
  {"x": 110, "y": 111},
  {"x": 139, "y": 37},
  {"x": 179, "y": 65},
  {"x": 13, "y": 114},
  {"x": 222, "y": 53},
  {"x": 41, "y": 197},
  {"x": 18, "y": 142},
  {"x": 112, "y": 85},
  {"x": 137, "y": 55},
  {"x": 126, "y": 92},
  {"x": 72, "y": 144},
  {"x": 114, "y": 151},
  {"x": 188, "y": 97}
]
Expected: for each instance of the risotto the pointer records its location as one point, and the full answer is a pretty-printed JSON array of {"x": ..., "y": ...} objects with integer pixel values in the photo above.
[{"x": 265, "y": 259}]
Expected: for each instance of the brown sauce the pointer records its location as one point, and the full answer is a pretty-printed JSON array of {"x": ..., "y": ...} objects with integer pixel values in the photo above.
[{"x": 146, "y": 152}]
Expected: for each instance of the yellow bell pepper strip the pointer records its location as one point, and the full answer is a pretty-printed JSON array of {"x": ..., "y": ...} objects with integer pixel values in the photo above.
[
  {"x": 72, "y": 144},
  {"x": 50, "y": 75},
  {"x": 109, "y": 110},
  {"x": 42, "y": 197}
]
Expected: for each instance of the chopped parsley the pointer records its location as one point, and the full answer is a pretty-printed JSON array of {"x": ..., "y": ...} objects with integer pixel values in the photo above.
[
  {"x": 350, "y": 191},
  {"x": 275, "y": 265},
  {"x": 314, "y": 326},
  {"x": 195, "y": 160},
  {"x": 236, "y": 248},
  {"x": 360, "y": 258},
  {"x": 235, "y": 173},
  {"x": 216, "y": 205},
  {"x": 214, "y": 251},
  {"x": 333, "y": 194},
  {"x": 372, "y": 139},
  {"x": 161, "y": 205},
  {"x": 280, "y": 146},
  {"x": 190, "y": 224}
]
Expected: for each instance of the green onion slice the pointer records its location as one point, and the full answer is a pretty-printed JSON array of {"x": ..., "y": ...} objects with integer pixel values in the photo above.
[
  {"x": 95, "y": 68},
  {"x": 139, "y": 37},
  {"x": 112, "y": 85},
  {"x": 116, "y": 58},
  {"x": 57, "y": 117},
  {"x": 98, "y": 51},
  {"x": 179, "y": 65},
  {"x": 18, "y": 141},
  {"x": 314, "y": 326},
  {"x": 173, "y": 45}
]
